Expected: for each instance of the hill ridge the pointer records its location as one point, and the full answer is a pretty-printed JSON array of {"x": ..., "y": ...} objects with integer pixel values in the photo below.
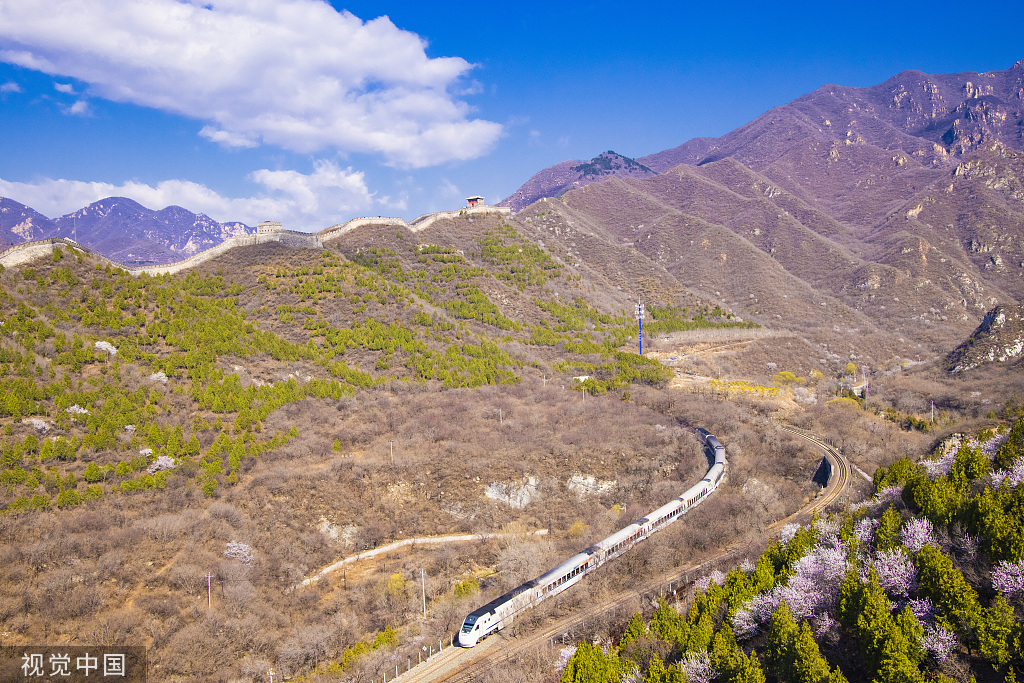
[{"x": 26, "y": 252}]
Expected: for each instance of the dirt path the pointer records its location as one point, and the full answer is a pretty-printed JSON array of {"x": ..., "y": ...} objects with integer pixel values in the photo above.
[{"x": 408, "y": 543}]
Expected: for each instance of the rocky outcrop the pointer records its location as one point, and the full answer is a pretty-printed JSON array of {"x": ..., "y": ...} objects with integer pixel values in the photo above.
[
  {"x": 999, "y": 338},
  {"x": 935, "y": 118},
  {"x": 19, "y": 223}
]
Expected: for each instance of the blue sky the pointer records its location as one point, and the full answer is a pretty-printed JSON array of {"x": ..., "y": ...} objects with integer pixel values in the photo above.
[{"x": 311, "y": 114}]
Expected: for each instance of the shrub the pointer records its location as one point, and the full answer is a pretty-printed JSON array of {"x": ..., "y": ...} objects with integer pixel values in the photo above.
[
  {"x": 69, "y": 498},
  {"x": 467, "y": 588}
]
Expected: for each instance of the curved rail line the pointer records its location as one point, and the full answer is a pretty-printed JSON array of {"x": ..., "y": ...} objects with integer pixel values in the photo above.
[
  {"x": 504, "y": 610},
  {"x": 458, "y": 665},
  {"x": 839, "y": 478}
]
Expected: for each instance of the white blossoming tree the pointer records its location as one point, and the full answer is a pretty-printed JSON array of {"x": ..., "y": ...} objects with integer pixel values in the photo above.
[{"x": 239, "y": 551}]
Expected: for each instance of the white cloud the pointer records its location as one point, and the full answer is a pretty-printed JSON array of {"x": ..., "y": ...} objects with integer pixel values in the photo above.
[
  {"x": 328, "y": 191},
  {"x": 226, "y": 138},
  {"x": 65, "y": 88},
  {"x": 300, "y": 201},
  {"x": 79, "y": 108},
  {"x": 293, "y": 73},
  {"x": 9, "y": 86}
]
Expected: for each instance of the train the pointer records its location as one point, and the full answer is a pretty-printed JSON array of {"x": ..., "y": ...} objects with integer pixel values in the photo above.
[{"x": 500, "y": 612}]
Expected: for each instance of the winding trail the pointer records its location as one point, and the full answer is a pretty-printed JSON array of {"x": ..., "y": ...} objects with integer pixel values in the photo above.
[
  {"x": 462, "y": 666},
  {"x": 422, "y": 540}
]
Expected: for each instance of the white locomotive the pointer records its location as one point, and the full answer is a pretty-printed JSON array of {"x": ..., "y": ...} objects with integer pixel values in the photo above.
[{"x": 500, "y": 612}]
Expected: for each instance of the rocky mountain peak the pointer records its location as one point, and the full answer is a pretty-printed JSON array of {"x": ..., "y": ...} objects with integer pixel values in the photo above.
[
  {"x": 19, "y": 223},
  {"x": 999, "y": 338},
  {"x": 571, "y": 174},
  {"x": 121, "y": 229}
]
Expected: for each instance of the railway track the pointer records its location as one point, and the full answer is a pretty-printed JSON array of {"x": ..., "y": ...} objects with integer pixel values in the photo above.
[
  {"x": 458, "y": 665},
  {"x": 839, "y": 477}
]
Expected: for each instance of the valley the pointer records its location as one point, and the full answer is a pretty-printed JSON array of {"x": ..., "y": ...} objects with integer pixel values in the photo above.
[{"x": 850, "y": 264}]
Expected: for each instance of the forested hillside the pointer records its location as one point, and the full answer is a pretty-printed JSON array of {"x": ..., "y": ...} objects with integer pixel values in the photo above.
[
  {"x": 180, "y": 452},
  {"x": 234, "y": 420},
  {"x": 920, "y": 583}
]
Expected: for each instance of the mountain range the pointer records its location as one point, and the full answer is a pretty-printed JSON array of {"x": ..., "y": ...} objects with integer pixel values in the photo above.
[
  {"x": 892, "y": 212},
  {"x": 897, "y": 207},
  {"x": 121, "y": 229}
]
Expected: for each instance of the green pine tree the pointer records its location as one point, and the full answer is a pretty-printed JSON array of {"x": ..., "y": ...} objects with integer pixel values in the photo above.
[
  {"x": 995, "y": 630},
  {"x": 779, "y": 651},
  {"x": 636, "y": 629}
]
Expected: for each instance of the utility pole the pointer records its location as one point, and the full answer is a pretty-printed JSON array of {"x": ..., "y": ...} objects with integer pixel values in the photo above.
[
  {"x": 271, "y": 674},
  {"x": 392, "y": 443},
  {"x": 640, "y": 324},
  {"x": 423, "y": 586},
  {"x": 209, "y": 594}
]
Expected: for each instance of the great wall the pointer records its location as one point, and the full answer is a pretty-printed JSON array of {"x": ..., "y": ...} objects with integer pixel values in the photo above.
[{"x": 266, "y": 232}]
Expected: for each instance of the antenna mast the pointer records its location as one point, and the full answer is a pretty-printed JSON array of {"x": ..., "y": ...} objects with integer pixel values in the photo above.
[{"x": 640, "y": 324}]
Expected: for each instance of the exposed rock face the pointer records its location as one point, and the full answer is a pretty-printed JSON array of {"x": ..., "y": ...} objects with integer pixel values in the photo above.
[
  {"x": 932, "y": 117},
  {"x": 19, "y": 223},
  {"x": 516, "y": 494},
  {"x": 998, "y": 339}
]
